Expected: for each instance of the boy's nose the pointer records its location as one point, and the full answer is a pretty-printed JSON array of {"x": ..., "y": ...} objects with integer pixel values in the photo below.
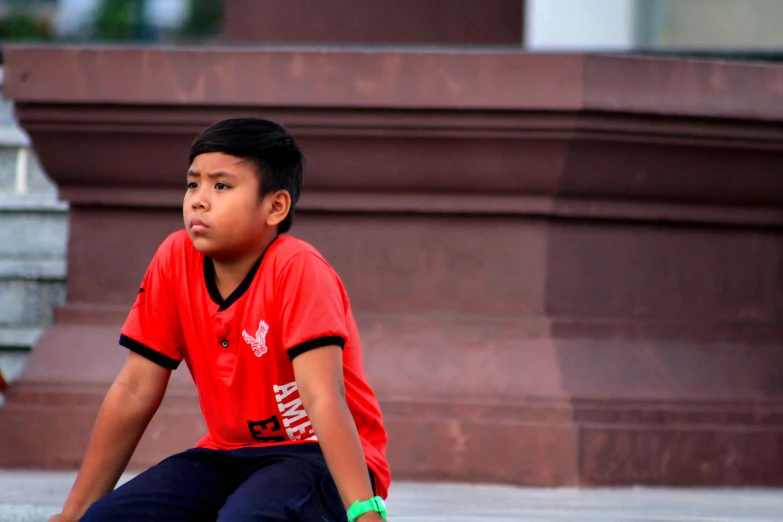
[{"x": 199, "y": 203}]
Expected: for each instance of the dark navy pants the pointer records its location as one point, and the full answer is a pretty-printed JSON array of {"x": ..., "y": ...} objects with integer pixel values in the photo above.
[{"x": 282, "y": 483}]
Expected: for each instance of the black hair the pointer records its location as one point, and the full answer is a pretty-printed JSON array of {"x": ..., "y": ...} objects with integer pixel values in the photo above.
[{"x": 273, "y": 152}]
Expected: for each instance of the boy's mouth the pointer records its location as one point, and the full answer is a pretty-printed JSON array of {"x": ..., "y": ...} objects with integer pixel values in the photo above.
[{"x": 197, "y": 224}]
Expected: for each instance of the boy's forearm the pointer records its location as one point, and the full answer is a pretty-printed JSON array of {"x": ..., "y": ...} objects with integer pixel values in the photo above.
[
  {"x": 342, "y": 448},
  {"x": 118, "y": 428}
]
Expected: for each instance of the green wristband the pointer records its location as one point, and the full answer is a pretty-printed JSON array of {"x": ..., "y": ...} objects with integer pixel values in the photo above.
[{"x": 360, "y": 508}]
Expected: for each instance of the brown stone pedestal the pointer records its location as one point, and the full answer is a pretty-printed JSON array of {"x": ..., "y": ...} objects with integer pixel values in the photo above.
[{"x": 566, "y": 269}]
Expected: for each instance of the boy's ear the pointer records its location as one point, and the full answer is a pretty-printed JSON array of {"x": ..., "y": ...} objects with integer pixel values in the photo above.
[{"x": 279, "y": 207}]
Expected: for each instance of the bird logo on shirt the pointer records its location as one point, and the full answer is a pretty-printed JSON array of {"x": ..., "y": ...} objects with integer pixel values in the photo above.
[{"x": 257, "y": 343}]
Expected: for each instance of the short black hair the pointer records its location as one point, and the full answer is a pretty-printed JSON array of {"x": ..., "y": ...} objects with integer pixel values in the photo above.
[{"x": 273, "y": 152}]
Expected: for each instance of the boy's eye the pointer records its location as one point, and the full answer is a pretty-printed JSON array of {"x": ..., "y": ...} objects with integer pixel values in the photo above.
[
  {"x": 221, "y": 186},
  {"x": 192, "y": 184}
]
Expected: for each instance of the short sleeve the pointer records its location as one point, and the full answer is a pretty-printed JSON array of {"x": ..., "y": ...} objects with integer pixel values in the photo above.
[
  {"x": 312, "y": 307},
  {"x": 152, "y": 327}
]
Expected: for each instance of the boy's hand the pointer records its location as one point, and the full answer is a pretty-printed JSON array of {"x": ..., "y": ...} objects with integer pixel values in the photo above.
[{"x": 370, "y": 516}]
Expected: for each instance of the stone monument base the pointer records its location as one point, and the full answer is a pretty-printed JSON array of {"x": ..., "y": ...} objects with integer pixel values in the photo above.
[{"x": 565, "y": 269}]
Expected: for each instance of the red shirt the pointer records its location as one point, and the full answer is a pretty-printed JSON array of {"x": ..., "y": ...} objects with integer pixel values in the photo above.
[{"x": 240, "y": 350}]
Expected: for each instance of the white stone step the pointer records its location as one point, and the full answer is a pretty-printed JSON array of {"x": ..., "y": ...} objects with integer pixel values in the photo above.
[{"x": 32, "y": 496}]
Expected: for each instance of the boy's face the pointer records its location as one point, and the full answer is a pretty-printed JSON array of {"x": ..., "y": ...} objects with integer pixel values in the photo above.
[{"x": 224, "y": 214}]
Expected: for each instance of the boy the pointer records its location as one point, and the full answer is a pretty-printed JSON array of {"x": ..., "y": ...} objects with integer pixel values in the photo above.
[{"x": 266, "y": 330}]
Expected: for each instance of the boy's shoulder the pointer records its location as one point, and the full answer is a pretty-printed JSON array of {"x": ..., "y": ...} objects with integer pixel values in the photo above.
[
  {"x": 176, "y": 245},
  {"x": 285, "y": 248}
]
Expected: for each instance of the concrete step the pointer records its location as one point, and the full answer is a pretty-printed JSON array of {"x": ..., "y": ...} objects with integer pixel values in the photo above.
[
  {"x": 30, "y": 496},
  {"x": 32, "y": 227},
  {"x": 33, "y": 239}
]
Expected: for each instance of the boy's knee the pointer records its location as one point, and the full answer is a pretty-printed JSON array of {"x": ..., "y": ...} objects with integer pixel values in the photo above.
[{"x": 99, "y": 511}]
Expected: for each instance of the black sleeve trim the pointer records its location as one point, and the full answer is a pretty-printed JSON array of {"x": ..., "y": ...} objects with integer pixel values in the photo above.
[
  {"x": 312, "y": 344},
  {"x": 372, "y": 481},
  {"x": 145, "y": 351}
]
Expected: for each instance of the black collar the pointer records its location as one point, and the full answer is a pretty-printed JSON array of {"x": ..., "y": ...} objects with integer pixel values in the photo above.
[{"x": 212, "y": 289}]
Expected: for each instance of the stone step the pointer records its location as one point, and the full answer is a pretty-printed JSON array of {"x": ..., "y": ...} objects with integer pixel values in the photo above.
[
  {"x": 26, "y": 307},
  {"x": 32, "y": 228},
  {"x": 33, "y": 238},
  {"x": 33, "y": 496},
  {"x": 31, "y": 268},
  {"x": 12, "y": 363}
]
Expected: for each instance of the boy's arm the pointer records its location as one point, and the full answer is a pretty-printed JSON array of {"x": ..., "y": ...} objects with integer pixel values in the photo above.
[
  {"x": 319, "y": 378},
  {"x": 130, "y": 403}
]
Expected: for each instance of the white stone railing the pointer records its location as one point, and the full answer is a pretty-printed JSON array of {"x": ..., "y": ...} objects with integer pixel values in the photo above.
[{"x": 33, "y": 239}]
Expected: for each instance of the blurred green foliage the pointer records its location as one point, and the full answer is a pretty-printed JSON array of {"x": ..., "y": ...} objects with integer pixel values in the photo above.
[
  {"x": 21, "y": 23},
  {"x": 111, "y": 21},
  {"x": 204, "y": 18},
  {"x": 117, "y": 20}
]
